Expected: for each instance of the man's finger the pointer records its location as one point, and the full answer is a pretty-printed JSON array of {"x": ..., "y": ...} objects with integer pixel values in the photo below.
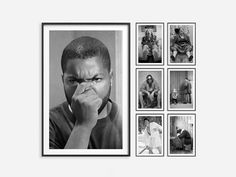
[
  {"x": 87, "y": 95},
  {"x": 81, "y": 88},
  {"x": 97, "y": 102}
]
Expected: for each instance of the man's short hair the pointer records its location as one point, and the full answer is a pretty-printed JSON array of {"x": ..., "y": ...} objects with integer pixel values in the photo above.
[
  {"x": 146, "y": 119},
  {"x": 83, "y": 48}
]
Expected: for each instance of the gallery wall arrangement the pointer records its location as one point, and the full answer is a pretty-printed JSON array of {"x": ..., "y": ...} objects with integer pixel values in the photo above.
[
  {"x": 86, "y": 93},
  {"x": 165, "y": 89}
]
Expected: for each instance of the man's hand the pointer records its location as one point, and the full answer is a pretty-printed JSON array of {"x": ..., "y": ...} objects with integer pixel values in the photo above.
[
  {"x": 147, "y": 92},
  {"x": 152, "y": 95},
  {"x": 85, "y": 104}
]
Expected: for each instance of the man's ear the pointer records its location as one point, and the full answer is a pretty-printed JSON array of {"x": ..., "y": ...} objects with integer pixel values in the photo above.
[{"x": 111, "y": 77}]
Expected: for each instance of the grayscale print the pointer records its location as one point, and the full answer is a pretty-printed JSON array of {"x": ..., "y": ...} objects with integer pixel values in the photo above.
[
  {"x": 181, "y": 44},
  {"x": 181, "y": 135},
  {"x": 150, "y": 89},
  {"x": 181, "y": 87},
  {"x": 149, "y": 135},
  {"x": 150, "y": 42},
  {"x": 86, "y": 99}
]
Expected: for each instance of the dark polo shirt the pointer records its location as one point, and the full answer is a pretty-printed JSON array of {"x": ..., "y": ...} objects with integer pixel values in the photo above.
[{"x": 107, "y": 133}]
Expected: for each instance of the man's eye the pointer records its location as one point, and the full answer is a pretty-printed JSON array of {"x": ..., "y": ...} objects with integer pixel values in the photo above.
[
  {"x": 71, "y": 81},
  {"x": 97, "y": 79}
]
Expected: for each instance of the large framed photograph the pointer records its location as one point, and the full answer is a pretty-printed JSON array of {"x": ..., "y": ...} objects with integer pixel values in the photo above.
[
  {"x": 181, "y": 89},
  {"x": 149, "y": 135},
  {"x": 85, "y": 89},
  {"x": 181, "y": 135},
  {"x": 149, "y": 89},
  {"x": 181, "y": 43},
  {"x": 150, "y": 43}
]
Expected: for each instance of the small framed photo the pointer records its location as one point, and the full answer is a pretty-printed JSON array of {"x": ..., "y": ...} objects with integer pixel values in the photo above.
[
  {"x": 85, "y": 89},
  {"x": 149, "y": 135},
  {"x": 181, "y": 135},
  {"x": 181, "y": 43},
  {"x": 149, "y": 89},
  {"x": 181, "y": 89},
  {"x": 150, "y": 43}
]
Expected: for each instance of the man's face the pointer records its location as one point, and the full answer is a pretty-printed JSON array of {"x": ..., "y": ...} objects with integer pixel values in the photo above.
[
  {"x": 146, "y": 123},
  {"x": 149, "y": 80},
  {"x": 91, "y": 72},
  {"x": 147, "y": 33}
]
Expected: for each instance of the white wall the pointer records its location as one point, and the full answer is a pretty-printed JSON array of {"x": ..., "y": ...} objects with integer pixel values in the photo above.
[{"x": 20, "y": 91}]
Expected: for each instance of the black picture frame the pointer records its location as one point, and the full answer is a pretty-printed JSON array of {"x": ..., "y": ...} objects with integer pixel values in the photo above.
[
  {"x": 168, "y": 89},
  {"x": 163, "y": 89},
  {"x": 127, "y": 81},
  {"x": 163, "y": 44},
  {"x": 168, "y": 135},
  {"x": 163, "y": 133},
  {"x": 168, "y": 44}
]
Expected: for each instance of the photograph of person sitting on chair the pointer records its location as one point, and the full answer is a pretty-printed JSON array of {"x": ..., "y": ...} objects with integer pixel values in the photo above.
[
  {"x": 150, "y": 135},
  {"x": 181, "y": 134},
  {"x": 150, "y": 43},
  {"x": 181, "y": 44},
  {"x": 149, "y": 93}
]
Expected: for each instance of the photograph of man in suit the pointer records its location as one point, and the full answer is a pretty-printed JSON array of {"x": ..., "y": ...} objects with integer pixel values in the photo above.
[{"x": 187, "y": 91}]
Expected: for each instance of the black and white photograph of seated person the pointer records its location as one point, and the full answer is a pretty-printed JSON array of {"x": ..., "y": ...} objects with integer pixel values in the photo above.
[
  {"x": 181, "y": 89},
  {"x": 149, "y": 135},
  {"x": 149, "y": 43},
  {"x": 85, "y": 98},
  {"x": 149, "y": 89},
  {"x": 181, "y": 135},
  {"x": 181, "y": 44}
]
